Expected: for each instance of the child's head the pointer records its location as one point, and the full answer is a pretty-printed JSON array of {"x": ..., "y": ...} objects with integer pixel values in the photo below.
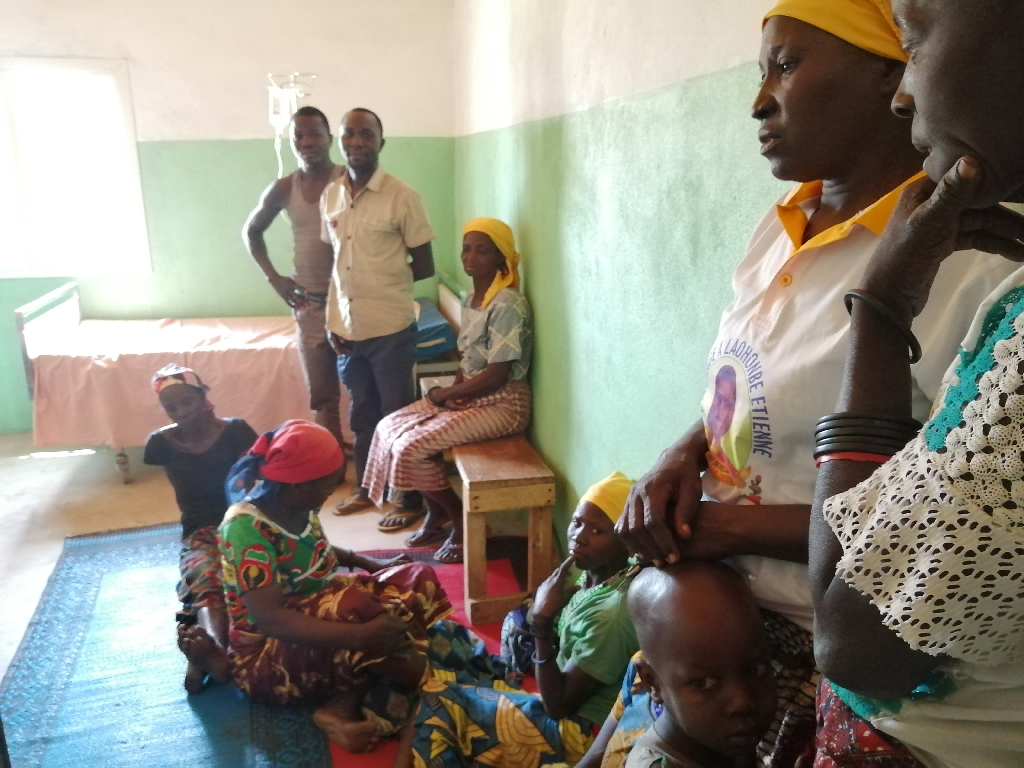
[
  {"x": 591, "y": 533},
  {"x": 182, "y": 394},
  {"x": 706, "y": 656}
]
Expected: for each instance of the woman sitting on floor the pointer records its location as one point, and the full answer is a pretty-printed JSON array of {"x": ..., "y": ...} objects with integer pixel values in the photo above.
[
  {"x": 490, "y": 397},
  {"x": 197, "y": 451},
  {"x": 584, "y": 639},
  {"x": 300, "y": 629}
]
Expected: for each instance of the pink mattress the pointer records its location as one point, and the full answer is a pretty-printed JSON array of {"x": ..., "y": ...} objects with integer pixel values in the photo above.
[{"x": 92, "y": 385}]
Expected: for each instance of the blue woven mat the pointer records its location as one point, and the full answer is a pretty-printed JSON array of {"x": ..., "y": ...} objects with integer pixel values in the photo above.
[{"x": 97, "y": 678}]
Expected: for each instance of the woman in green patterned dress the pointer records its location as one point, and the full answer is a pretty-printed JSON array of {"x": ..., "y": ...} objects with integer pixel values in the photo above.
[{"x": 301, "y": 630}]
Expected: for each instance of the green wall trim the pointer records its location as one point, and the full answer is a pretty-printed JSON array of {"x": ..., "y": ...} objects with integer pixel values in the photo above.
[
  {"x": 15, "y": 405},
  {"x": 630, "y": 217}
]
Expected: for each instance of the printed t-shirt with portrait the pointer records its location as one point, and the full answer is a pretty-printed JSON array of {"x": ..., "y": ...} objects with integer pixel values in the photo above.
[
  {"x": 776, "y": 365},
  {"x": 256, "y": 552},
  {"x": 370, "y": 294},
  {"x": 501, "y": 332}
]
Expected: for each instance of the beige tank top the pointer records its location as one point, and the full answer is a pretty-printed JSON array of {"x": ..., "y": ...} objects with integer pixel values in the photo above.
[{"x": 313, "y": 261}]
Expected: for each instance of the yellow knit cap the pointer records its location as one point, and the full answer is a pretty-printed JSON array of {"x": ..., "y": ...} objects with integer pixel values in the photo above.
[
  {"x": 503, "y": 239},
  {"x": 609, "y": 495},
  {"x": 867, "y": 24}
]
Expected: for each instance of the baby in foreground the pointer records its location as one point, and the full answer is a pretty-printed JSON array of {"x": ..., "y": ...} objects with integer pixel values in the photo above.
[{"x": 706, "y": 662}]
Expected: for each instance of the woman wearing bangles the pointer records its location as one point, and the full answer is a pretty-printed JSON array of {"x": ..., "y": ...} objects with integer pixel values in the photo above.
[
  {"x": 740, "y": 483},
  {"x": 583, "y": 642},
  {"x": 917, "y": 561}
]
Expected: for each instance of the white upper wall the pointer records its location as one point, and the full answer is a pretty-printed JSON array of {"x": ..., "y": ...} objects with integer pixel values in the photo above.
[
  {"x": 199, "y": 69},
  {"x": 523, "y": 60},
  {"x": 429, "y": 67}
]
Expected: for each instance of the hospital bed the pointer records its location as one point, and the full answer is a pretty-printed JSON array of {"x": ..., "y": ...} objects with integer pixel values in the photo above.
[{"x": 90, "y": 379}]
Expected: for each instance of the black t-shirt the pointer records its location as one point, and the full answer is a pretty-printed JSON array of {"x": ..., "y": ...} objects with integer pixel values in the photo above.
[{"x": 198, "y": 478}]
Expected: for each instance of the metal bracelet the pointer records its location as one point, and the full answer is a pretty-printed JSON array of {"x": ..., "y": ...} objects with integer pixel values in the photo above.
[
  {"x": 886, "y": 312},
  {"x": 538, "y": 662}
]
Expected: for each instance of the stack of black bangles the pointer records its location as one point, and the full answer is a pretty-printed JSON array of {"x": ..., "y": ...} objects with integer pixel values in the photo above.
[{"x": 855, "y": 437}]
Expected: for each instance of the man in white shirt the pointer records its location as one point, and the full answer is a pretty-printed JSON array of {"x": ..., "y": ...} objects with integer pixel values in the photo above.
[{"x": 374, "y": 223}]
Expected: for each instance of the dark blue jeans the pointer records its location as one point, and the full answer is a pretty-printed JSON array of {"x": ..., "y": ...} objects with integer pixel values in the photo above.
[{"x": 379, "y": 378}]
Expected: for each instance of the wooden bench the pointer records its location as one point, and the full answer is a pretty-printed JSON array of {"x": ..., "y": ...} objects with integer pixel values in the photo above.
[{"x": 499, "y": 475}]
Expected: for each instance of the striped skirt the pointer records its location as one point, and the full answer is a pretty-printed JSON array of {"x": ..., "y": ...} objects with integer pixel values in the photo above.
[{"x": 405, "y": 454}]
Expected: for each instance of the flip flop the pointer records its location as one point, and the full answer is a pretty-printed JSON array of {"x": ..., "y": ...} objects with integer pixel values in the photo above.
[
  {"x": 424, "y": 536},
  {"x": 400, "y": 519},
  {"x": 354, "y": 503},
  {"x": 449, "y": 553}
]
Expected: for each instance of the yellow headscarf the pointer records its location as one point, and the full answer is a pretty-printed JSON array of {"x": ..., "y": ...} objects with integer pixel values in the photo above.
[
  {"x": 867, "y": 24},
  {"x": 609, "y": 495},
  {"x": 502, "y": 237}
]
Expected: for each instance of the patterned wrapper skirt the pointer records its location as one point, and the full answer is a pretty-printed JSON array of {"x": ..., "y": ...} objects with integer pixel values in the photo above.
[
  {"x": 789, "y": 742},
  {"x": 472, "y": 713},
  {"x": 846, "y": 740},
  {"x": 275, "y": 672},
  {"x": 200, "y": 585},
  {"x": 406, "y": 450}
]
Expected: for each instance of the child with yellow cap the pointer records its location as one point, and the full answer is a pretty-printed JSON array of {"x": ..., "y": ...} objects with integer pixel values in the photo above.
[{"x": 584, "y": 639}]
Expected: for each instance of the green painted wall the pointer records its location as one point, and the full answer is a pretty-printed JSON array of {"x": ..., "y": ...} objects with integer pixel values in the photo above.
[
  {"x": 630, "y": 217},
  {"x": 197, "y": 196},
  {"x": 15, "y": 406}
]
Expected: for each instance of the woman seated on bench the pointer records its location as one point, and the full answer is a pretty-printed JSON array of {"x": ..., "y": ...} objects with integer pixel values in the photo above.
[{"x": 489, "y": 399}]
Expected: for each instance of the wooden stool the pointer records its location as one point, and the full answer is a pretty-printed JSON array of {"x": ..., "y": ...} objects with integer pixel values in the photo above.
[{"x": 499, "y": 475}]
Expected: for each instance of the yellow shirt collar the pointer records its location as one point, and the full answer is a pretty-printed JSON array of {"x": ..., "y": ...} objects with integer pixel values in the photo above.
[{"x": 794, "y": 220}]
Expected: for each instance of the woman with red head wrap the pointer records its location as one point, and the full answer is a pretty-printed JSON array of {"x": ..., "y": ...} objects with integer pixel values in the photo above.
[{"x": 302, "y": 630}]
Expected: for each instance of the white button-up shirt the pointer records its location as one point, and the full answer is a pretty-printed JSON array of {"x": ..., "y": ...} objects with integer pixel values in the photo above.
[
  {"x": 777, "y": 364},
  {"x": 371, "y": 286}
]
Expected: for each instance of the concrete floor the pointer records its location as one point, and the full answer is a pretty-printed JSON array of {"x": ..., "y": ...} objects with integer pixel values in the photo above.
[{"x": 51, "y": 495}]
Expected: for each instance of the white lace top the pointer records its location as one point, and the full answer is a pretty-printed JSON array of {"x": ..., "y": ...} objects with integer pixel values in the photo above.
[{"x": 935, "y": 537}]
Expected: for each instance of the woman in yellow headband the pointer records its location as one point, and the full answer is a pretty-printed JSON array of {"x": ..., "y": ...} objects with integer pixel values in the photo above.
[
  {"x": 740, "y": 482},
  {"x": 490, "y": 397}
]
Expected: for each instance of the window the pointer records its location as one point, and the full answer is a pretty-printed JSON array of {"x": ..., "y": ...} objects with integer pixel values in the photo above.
[{"x": 70, "y": 195}]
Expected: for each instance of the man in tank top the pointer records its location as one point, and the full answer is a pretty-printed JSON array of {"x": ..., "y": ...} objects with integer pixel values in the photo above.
[{"x": 306, "y": 291}]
